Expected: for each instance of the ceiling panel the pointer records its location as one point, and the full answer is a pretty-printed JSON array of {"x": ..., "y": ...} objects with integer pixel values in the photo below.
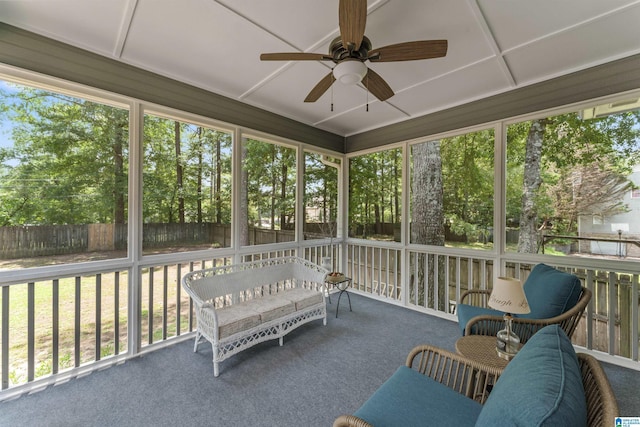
[
  {"x": 302, "y": 22},
  {"x": 478, "y": 81},
  {"x": 576, "y": 49},
  {"x": 203, "y": 43},
  {"x": 518, "y": 22},
  {"x": 91, "y": 25}
]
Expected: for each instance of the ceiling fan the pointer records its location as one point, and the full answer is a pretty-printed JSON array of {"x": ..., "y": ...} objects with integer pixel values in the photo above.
[{"x": 353, "y": 48}]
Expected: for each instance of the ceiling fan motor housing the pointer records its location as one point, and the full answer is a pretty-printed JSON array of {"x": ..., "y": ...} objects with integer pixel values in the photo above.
[{"x": 339, "y": 52}]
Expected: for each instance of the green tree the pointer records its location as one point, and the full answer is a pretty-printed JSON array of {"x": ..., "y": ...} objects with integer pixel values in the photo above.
[
  {"x": 68, "y": 160},
  {"x": 468, "y": 190},
  {"x": 374, "y": 192}
]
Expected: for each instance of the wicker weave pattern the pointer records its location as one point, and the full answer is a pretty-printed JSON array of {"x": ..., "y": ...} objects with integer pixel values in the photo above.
[
  {"x": 602, "y": 407},
  {"x": 473, "y": 380},
  {"x": 272, "y": 289}
]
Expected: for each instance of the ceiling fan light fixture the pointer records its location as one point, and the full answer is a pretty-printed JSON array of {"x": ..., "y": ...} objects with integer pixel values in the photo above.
[{"x": 350, "y": 72}]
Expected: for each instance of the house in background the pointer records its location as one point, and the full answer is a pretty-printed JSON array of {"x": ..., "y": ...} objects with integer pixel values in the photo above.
[{"x": 623, "y": 226}]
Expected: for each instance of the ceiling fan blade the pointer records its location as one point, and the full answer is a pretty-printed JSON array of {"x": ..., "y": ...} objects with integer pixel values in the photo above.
[
  {"x": 352, "y": 17},
  {"x": 409, "y": 51},
  {"x": 320, "y": 88},
  {"x": 294, "y": 56},
  {"x": 377, "y": 86}
]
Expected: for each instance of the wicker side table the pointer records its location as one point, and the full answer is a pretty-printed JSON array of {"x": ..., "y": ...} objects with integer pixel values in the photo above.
[{"x": 481, "y": 349}]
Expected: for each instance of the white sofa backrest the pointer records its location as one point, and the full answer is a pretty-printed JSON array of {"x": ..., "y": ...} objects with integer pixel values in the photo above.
[{"x": 240, "y": 281}]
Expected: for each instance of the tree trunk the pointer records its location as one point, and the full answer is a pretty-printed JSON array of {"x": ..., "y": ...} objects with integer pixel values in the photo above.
[
  {"x": 120, "y": 187},
  {"x": 427, "y": 215},
  {"x": 396, "y": 189},
  {"x": 199, "y": 175},
  {"x": 272, "y": 213},
  {"x": 244, "y": 200},
  {"x": 179, "y": 174},
  {"x": 283, "y": 195},
  {"x": 528, "y": 236},
  {"x": 218, "y": 185},
  {"x": 427, "y": 222}
]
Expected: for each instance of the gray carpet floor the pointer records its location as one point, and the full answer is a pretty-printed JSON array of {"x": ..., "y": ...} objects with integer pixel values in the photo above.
[{"x": 319, "y": 373}]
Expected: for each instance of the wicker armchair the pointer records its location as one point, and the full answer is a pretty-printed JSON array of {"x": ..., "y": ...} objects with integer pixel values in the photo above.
[
  {"x": 451, "y": 369},
  {"x": 523, "y": 327},
  {"x": 439, "y": 364},
  {"x": 602, "y": 406},
  {"x": 555, "y": 297}
]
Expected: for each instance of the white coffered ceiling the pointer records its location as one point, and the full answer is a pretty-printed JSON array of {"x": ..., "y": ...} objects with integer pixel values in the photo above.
[{"x": 494, "y": 46}]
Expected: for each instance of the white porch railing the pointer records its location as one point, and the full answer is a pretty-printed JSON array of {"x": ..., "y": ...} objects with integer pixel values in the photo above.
[
  {"x": 610, "y": 324},
  {"x": 63, "y": 325}
]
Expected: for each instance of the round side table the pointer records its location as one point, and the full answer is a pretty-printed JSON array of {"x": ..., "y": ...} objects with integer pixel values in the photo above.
[
  {"x": 481, "y": 349},
  {"x": 342, "y": 286}
]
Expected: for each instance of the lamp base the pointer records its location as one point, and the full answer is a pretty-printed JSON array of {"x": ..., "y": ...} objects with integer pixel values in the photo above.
[
  {"x": 508, "y": 343},
  {"x": 504, "y": 355}
]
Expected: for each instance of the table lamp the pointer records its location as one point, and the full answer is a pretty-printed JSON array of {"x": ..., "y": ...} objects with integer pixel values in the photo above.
[{"x": 508, "y": 296}]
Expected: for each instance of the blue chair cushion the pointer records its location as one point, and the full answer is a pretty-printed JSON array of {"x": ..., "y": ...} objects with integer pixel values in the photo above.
[
  {"x": 550, "y": 292},
  {"x": 541, "y": 386},
  {"x": 409, "y": 398},
  {"x": 466, "y": 312}
]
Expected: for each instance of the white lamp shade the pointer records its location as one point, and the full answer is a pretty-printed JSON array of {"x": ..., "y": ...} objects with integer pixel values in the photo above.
[
  {"x": 350, "y": 72},
  {"x": 508, "y": 296}
]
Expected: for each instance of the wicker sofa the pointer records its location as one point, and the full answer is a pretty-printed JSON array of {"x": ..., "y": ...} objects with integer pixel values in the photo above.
[
  {"x": 546, "y": 384},
  {"x": 238, "y": 306}
]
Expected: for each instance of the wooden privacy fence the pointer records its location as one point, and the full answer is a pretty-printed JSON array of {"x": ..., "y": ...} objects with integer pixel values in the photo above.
[
  {"x": 39, "y": 240},
  {"x": 48, "y": 240}
]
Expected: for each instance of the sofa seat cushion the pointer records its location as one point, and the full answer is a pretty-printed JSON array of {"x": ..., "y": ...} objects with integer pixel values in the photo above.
[
  {"x": 303, "y": 298},
  {"x": 466, "y": 312},
  {"x": 541, "y": 386},
  {"x": 550, "y": 292},
  {"x": 270, "y": 307},
  {"x": 409, "y": 398},
  {"x": 236, "y": 318}
]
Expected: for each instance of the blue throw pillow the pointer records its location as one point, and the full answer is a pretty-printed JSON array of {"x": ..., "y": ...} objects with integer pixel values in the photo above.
[
  {"x": 550, "y": 292},
  {"x": 541, "y": 386}
]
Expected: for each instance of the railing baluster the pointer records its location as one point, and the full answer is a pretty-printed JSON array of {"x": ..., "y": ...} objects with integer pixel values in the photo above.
[
  {"x": 150, "y": 307},
  {"x": 55, "y": 330},
  {"x": 31, "y": 329},
  {"x": 424, "y": 283},
  {"x": 590, "y": 308},
  {"x": 447, "y": 288},
  {"x": 98, "y": 316},
  {"x": 436, "y": 281},
  {"x": 611, "y": 313},
  {"x": 178, "y": 295},
  {"x": 5, "y": 337},
  {"x": 458, "y": 281},
  {"x": 165, "y": 295},
  {"x": 116, "y": 313},
  {"x": 634, "y": 318},
  {"x": 77, "y": 321},
  {"x": 387, "y": 280}
]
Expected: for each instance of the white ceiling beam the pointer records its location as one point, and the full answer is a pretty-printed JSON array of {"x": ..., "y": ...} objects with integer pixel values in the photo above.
[
  {"x": 491, "y": 40},
  {"x": 125, "y": 25}
]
